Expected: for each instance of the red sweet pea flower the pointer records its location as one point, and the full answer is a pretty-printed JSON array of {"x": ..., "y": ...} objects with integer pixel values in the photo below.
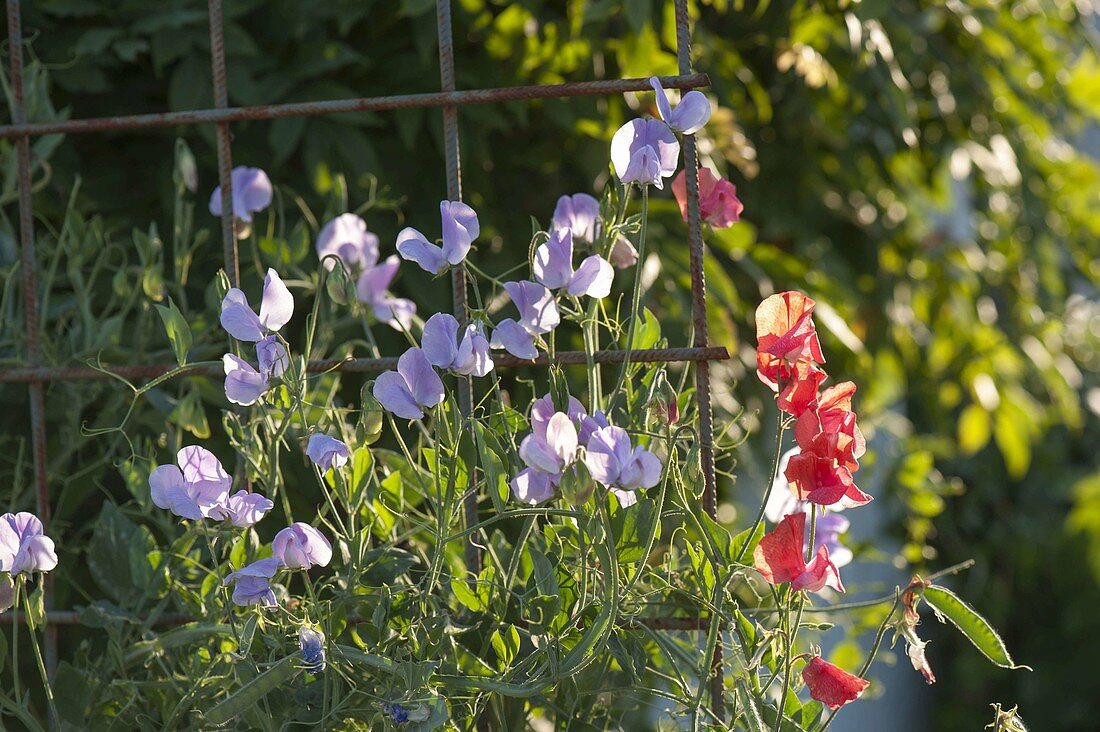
[
  {"x": 778, "y": 557},
  {"x": 830, "y": 685},
  {"x": 787, "y": 349},
  {"x": 718, "y": 202},
  {"x": 831, "y": 416},
  {"x": 822, "y": 480}
]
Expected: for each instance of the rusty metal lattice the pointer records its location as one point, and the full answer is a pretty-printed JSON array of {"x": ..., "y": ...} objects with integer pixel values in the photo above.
[{"x": 36, "y": 375}]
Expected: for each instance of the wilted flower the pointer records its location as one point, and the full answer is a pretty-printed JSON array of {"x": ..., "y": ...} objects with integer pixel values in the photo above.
[
  {"x": 327, "y": 452},
  {"x": 468, "y": 355},
  {"x": 718, "y": 202},
  {"x": 346, "y": 237},
  {"x": 373, "y": 290},
  {"x": 622, "y": 254},
  {"x": 397, "y": 713},
  {"x": 623, "y": 468},
  {"x": 300, "y": 546},
  {"x": 414, "y": 387},
  {"x": 914, "y": 648},
  {"x": 195, "y": 488},
  {"x": 644, "y": 151},
  {"x": 779, "y": 558},
  {"x": 251, "y": 193},
  {"x": 242, "y": 509},
  {"x": 579, "y": 214},
  {"x": 23, "y": 545},
  {"x": 460, "y": 228},
  {"x": 252, "y": 583},
  {"x": 553, "y": 267},
  {"x": 830, "y": 685},
  {"x": 276, "y": 309},
  {"x": 311, "y": 643},
  {"x": 689, "y": 115}
]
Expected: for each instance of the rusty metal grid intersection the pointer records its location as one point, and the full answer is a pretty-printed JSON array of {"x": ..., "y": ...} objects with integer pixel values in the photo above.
[{"x": 35, "y": 375}]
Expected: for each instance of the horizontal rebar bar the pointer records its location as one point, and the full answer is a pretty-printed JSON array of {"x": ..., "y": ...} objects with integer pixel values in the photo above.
[
  {"x": 340, "y": 106},
  {"x": 355, "y": 365}
]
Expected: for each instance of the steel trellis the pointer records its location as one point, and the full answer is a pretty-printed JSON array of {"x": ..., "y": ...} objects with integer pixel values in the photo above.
[{"x": 36, "y": 375}]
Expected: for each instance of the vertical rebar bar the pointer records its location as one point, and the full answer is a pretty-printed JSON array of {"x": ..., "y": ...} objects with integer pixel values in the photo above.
[
  {"x": 458, "y": 274},
  {"x": 699, "y": 322},
  {"x": 225, "y": 155},
  {"x": 28, "y": 263}
]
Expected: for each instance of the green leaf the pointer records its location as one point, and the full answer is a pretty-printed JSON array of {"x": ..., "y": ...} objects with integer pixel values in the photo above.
[
  {"x": 975, "y": 429},
  {"x": 506, "y": 644},
  {"x": 647, "y": 331},
  {"x": 466, "y": 596},
  {"x": 179, "y": 332},
  {"x": 384, "y": 566},
  {"x": 633, "y": 527},
  {"x": 977, "y": 629},
  {"x": 114, "y": 554},
  {"x": 36, "y": 606},
  {"x": 251, "y": 693}
]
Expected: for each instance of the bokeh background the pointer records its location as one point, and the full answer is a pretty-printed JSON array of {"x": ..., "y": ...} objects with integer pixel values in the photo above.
[{"x": 927, "y": 170}]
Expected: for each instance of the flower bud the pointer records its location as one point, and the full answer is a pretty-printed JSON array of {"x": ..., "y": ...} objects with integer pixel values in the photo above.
[
  {"x": 622, "y": 254},
  {"x": 577, "y": 484}
]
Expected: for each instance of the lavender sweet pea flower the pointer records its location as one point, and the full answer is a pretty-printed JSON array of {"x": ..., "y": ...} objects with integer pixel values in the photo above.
[
  {"x": 311, "y": 643},
  {"x": 460, "y": 228},
  {"x": 300, "y": 546},
  {"x": 251, "y": 193},
  {"x": 468, "y": 355},
  {"x": 579, "y": 213},
  {"x": 553, "y": 267},
  {"x": 23, "y": 545},
  {"x": 271, "y": 356},
  {"x": 543, "y": 409},
  {"x": 644, "y": 151},
  {"x": 373, "y": 289},
  {"x": 538, "y": 311},
  {"x": 327, "y": 452},
  {"x": 195, "y": 488},
  {"x": 554, "y": 449},
  {"x": 242, "y": 509},
  {"x": 276, "y": 309},
  {"x": 346, "y": 237},
  {"x": 532, "y": 486},
  {"x": 252, "y": 583},
  {"x": 243, "y": 384},
  {"x": 414, "y": 387},
  {"x": 511, "y": 336},
  {"x": 613, "y": 462},
  {"x": 689, "y": 116}
]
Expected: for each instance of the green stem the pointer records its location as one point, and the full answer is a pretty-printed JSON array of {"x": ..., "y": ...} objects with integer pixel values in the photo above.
[
  {"x": 636, "y": 296},
  {"x": 55, "y": 720}
]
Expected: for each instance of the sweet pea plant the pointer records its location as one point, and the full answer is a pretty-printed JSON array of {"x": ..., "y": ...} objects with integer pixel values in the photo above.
[{"x": 386, "y": 604}]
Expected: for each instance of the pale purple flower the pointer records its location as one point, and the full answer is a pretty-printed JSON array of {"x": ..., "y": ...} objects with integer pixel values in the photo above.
[
  {"x": 532, "y": 486},
  {"x": 511, "y": 336},
  {"x": 830, "y": 524},
  {"x": 195, "y": 488},
  {"x": 276, "y": 309},
  {"x": 271, "y": 356},
  {"x": 23, "y": 545},
  {"x": 251, "y": 193},
  {"x": 242, "y": 509},
  {"x": 252, "y": 583},
  {"x": 311, "y": 643},
  {"x": 243, "y": 384},
  {"x": 468, "y": 355},
  {"x": 553, "y": 450},
  {"x": 689, "y": 116},
  {"x": 538, "y": 311},
  {"x": 644, "y": 151},
  {"x": 580, "y": 213},
  {"x": 300, "y": 546},
  {"x": 613, "y": 462},
  {"x": 623, "y": 254},
  {"x": 346, "y": 237},
  {"x": 414, "y": 387},
  {"x": 553, "y": 267},
  {"x": 373, "y": 289},
  {"x": 460, "y": 228},
  {"x": 327, "y": 452},
  {"x": 543, "y": 409}
]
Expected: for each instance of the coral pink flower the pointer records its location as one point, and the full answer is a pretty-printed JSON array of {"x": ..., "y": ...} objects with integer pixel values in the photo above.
[
  {"x": 718, "y": 202},
  {"x": 778, "y": 557},
  {"x": 830, "y": 685},
  {"x": 787, "y": 350},
  {"x": 823, "y": 481},
  {"x": 829, "y": 427}
]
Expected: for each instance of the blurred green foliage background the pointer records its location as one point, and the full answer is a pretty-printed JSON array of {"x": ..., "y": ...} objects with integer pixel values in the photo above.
[{"x": 923, "y": 168}]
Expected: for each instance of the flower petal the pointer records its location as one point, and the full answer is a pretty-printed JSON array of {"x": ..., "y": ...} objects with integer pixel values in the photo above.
[
  {"x": 238, "y": 319},
  {"x": 243, "y": 384},
  {"x": 778, "y": 556},
  {"x": 513, "y": 338},
  {"x": 439, "y": 340},
  {"x": 412, "y": 246},
  {"x": 593, "y": 278},
  {"x": 691, "y": 114},
  {"x": 277, "y": 306},
  {"x": 553, "y": 263},
  {"x": 424, "y": 383},
  {"x": 532, "y": 487},
  {"x": 460, "y": 228},
  {"x": 394, "y": 395}
]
